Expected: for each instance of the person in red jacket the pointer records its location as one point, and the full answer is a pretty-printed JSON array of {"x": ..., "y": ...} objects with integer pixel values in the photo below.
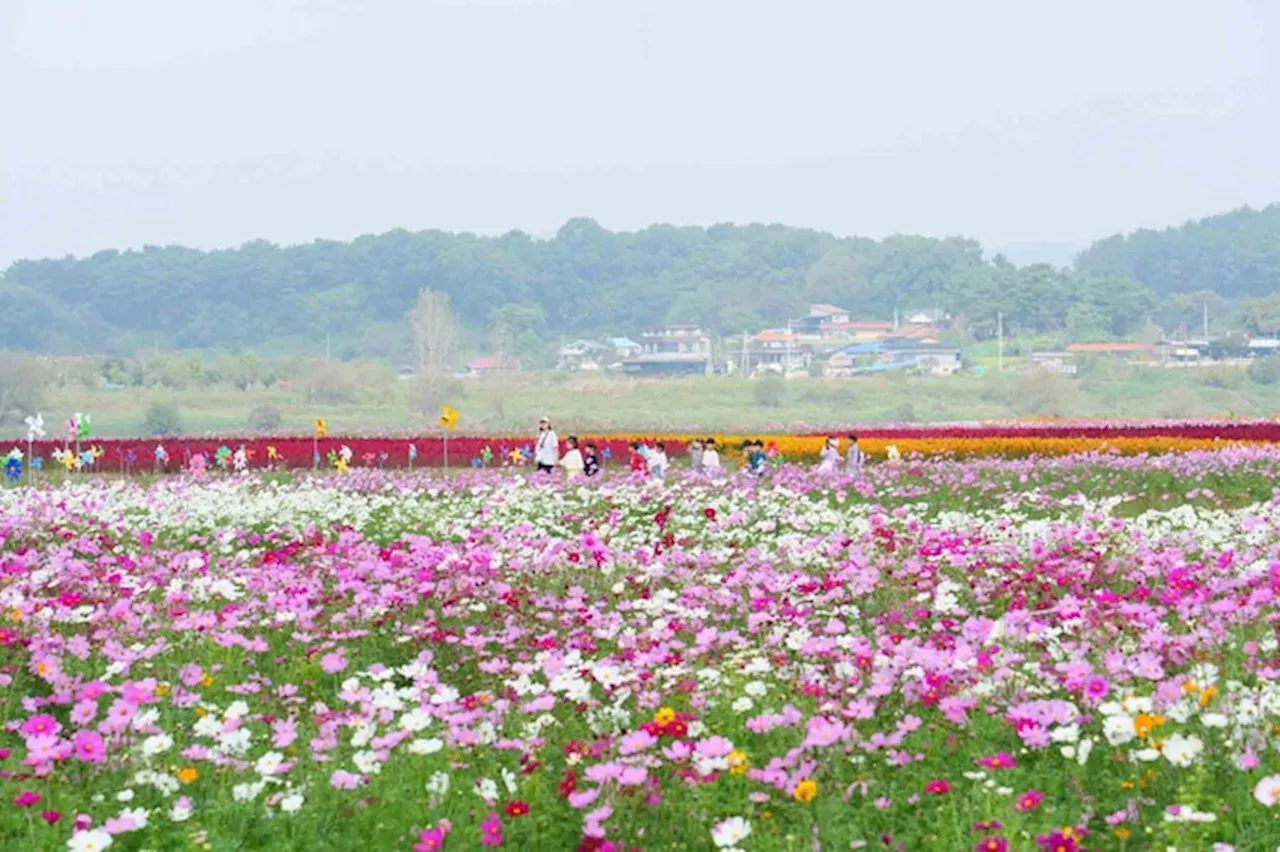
[{"x": 638, "y": 462}]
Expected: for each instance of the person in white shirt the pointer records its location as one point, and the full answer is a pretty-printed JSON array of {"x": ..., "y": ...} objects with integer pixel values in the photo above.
[
  {"x": 572, "y": 462},
  {"x": 710, "y": 457},
  {"x": 546, "y": 447},
  {"x": 658, "y": 461}
]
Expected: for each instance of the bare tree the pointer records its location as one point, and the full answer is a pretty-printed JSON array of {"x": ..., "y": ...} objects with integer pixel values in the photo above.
[{"x": 435, "y": 334}]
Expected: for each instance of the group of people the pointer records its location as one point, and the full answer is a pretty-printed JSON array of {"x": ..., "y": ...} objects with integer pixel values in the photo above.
[
  {"x": 704, "y": 456},
  {"x": 830, "y": 459}
]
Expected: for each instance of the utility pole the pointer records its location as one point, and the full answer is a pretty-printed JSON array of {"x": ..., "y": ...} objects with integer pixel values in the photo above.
[
  {"x": 1000, "y": 341},
  {"x": 786, "y": 369},
  {"x": 744, "y": 353},
  {"x": 1206, "y": 320}
]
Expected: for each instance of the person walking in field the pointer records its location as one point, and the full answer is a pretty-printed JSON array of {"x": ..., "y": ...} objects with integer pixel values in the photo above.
[
  {"x": 591, "y": 461},
  {"x": 639, "y": 464},
  {"x": 830, "y": 457},
  {"x": 546, "y": 447},
  {"x": 658, "y": 461},
  {"x": 853, "y": 461},
  {"x": 695, "y": 455},
  {"x": 711, "y": 457},
  {"x": 572, "y": 462}
]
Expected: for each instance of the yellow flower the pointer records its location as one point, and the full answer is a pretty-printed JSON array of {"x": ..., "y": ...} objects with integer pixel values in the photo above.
[
  {"x": 1207, "y": 694},
  {"x": 1126, "y": 785},
  {"x": 15, "y": 614},
  {"x": 664, "y": 716},
  {"x": 1188, "y": 687},
  {"x": 1123, "y": 833},
  {"x": 737, "y": 762},
  {"x": 206, "y": 681},
  {"x": 161, "y": 691},
  {"x": 806, "y": 790},
  {"x": 201, "y": 712},
  {"x": 187, "y": 775}
]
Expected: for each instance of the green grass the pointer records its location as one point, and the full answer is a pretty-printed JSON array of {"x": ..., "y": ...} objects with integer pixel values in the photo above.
[{"x": 600, "y": 403}]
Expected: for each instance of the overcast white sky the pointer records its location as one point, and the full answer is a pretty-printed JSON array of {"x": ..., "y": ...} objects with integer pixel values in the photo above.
[{"x": 124, "y": 122}]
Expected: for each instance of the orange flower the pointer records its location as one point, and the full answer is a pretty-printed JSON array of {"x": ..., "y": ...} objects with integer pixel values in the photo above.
[
  {"x": 1207, "y": 694},
  {"x": 806, "y": 791},
  {"x": 1146, "y": 723},
  {"x": 188, "y": 774},
  {"x": 664, "y": 716}
]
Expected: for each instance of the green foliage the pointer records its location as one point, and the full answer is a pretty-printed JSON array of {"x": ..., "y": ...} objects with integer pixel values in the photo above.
[
  {"x": 22, "y": 384},
  {"x": 1265, "y": 371},
  {"x": 770, "y": 391},
  {"x": 1045, "y": 393},
  {"x": 1236, "y": 255},
  {"x": 1224, "y": 377},
  {"x": 162, "y": 419},
  {"x": 525, "y": 294}
]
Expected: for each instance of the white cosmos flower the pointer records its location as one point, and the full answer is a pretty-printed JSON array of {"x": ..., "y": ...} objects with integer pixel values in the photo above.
[
  {"x": 1182, "y": 750},
  {"x": 487, "y": 789},
  {"x": 93, "y": 840},
  {"x": 438, "y": 783},
  {"x": 291, "y": 802},
  {"x": 730, "y": 832}
]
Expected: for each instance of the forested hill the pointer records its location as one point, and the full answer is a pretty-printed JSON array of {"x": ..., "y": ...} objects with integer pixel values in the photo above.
[
  {"x": 591, "y": 280},
  {"x": 1236, "y": 255}
]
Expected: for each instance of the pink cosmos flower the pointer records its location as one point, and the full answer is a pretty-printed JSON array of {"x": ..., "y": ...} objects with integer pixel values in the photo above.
[
  {"x": 1096, "y": 688},
  {"x": 51, "y": 817},
  {"x": 333, "y": 662},
  {"x": 580, "y": 799},
  {"x": 636, "y": 742},
  {"x": 1001, "y": 760},
  {"x": 26, "y": 798},
  {"x": 1029, "y": 801},
  {"x": 88, "y": 746},
  {"x": 491, "y": 830},
  {"x": 938, "y": 787},
  {"x": 84, "y": 712},
  {"x": 42, "y": 725},
  {"x": 190, "y": 675},
  {"x": 429, "y": 841},
  {"x": 1267, "y": 790},
  {"x": 344, "y": 780}
]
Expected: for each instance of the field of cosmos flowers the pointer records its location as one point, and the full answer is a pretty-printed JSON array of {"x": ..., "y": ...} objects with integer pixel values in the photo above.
[{"x": 991, "y": 653}]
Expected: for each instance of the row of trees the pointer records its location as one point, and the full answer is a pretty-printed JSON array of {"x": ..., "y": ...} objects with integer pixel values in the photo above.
[{"x": 589, "y": 279}]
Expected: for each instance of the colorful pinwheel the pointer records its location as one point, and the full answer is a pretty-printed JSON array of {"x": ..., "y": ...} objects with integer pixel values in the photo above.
[
  {"x": 448, "y": 419},
  {"x": 35, "y": 428}
]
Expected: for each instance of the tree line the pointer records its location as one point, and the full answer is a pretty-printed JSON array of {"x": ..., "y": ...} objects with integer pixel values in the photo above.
[{"x": 516, "y": 293}]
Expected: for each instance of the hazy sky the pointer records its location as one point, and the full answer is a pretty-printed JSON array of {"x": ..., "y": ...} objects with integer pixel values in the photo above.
[{"x": 124, "y": 122}]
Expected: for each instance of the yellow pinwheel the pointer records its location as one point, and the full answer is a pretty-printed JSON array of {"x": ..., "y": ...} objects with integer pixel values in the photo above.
[
  {"x": 448, "y": 419},
  {"x": 321, "y": 427}
]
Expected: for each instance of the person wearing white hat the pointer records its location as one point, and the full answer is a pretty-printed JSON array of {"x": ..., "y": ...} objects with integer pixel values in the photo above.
[{"x": 546, "y": 448}]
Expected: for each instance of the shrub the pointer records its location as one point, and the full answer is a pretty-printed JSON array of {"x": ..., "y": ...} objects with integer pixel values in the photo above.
[
  {"x": 1265, "y": 371},
  {"x": 905, "y": 413},
  {"x": 770, "y": 391},
  {"x": 1227, "y": 378},
  {"x": 1045, "y": 393},
  {"x": 264, "y": 418},
  {"x": 162, "y": 420}
]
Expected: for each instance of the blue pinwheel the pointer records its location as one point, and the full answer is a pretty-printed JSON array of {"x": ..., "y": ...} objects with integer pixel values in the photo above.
[{"x": 13, "y": 468}]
